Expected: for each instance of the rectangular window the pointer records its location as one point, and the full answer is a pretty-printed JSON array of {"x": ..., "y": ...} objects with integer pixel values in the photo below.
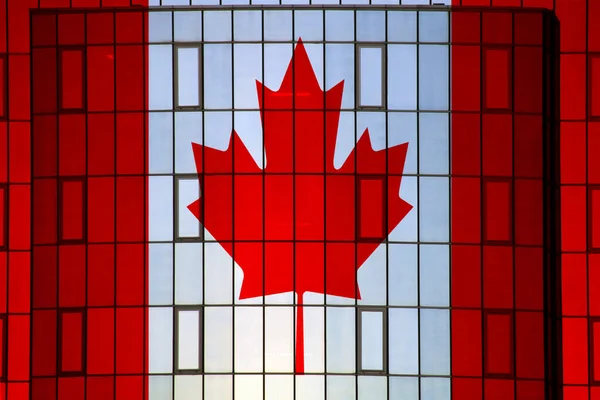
[
  {"x": 187, "y": 209},
  {"x": 3, "y": 352},
  {"x": 372, "y": 340},
  {"x": 498, "y": 348},
  {"x": 71, "y": 79},
  {"x": 370, "y": 76},
  {"x": 497, "y": 78},
  {"x": 188, "y": 76},
  {"x": 3, "y": 217},
  {"x": 594, "y": 86},
  {"x": 371, "y": 208},
  {"x": 188, "y": 340},
  {"x": 71, "y": 342},
  {"x": 497, "y": 210},
  {"x": 594, "y": 350},
  {"x": 594, "y": 218},
  {"x": 3, "y": 86},
  {"x": 72, "y": 209}
]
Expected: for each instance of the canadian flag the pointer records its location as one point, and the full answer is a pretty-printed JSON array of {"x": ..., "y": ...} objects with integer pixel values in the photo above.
[
  {"x": 310, "y": 191},
  {"x": 330, "y": 203}
]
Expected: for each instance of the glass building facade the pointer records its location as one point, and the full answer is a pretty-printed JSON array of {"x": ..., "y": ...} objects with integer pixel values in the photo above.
[{"x": 174, "y": 226}]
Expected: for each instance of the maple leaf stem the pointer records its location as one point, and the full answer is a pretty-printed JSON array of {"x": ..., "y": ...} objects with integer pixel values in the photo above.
[{"x": 300, "y": 335}]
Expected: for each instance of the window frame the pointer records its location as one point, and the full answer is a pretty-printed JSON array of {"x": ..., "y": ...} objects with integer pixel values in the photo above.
[
  {"x": 176, "y": 311},
  {"x": 188, "y": 45},
  {"x": 384, "y": 329},
  {"x": 176, "y": 211},
  {"x": 358, "y": 75},
  {"x": 358, "y": 203},
  {"x": 59, "y": 356},
  {"x": 4, "y": 217}
]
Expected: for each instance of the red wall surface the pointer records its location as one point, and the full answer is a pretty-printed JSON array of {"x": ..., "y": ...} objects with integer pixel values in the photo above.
[{"x": 53, "y": 259}]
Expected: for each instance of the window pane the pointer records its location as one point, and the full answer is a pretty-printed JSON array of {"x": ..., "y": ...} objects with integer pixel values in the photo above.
[
  {"x": 433, "y": 77},
  {"x": 188, "y": 225},
  {"x": 160, "y": 194},
  {"x": 161, "y": 273},
  {"x": 188, "y": 76},
  {"x": 404, "y": 341},
  {"x": 433, "y": 26},
  {"x": 247, "y": 25},
  {"x": 188, "y": 273},
  {"x": 188, "y": 341},
  {"x": 402, "y": 26},
  {"x": 402, "y": 77},
  {"x": 339, "y": 25},
  {"x": 188, "y": 26},
  {"x": 372, "y": 340},
  {"x": 160, "y": 339},
  {"x": 217, "y": 26},
  {"x": 308, "y": 25},
  {"x": 278, "y": 25},
  {"x": 370, "y": 26},
  {"x": 217, "y": 85},
  {"x": 371, "y": 76},
  {"x": 160, "y": 77}
]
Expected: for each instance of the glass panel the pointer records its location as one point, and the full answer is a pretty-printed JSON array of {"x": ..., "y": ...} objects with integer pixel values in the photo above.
[
  {"x": 160, "y": 79},
  {"x": 435, "y": 388},
  {"x": 371, "y": 76},
  {"x": 160, "y": 387},
  {"x": 188, "y": 273},
  {"x": 187, "y": 387},
  {"x": 278, "y": 25},
  {"x": 308, "y": 25},
  {"x": 279, "y": 339},
  {"x": 160, "y": 28},
  {"x": 402, "y": 128},
  {"x": 218, "y": 85},
  {"x": 247, "y": 70},
  {"x": 160, "y": 193},
  {"x": 188, "y": 129},
  {"x": 435, "y": 342},
  {"x": 402, "y": 388},
  {"x": 402, "y": 274},
  {"x": 341, "y": 387},
  {"x": 218, "y": 387},
  {"x": 402, "y": 77},
  {"x": 372, "y": 388},
  {"x": 218, "y": 275},
  {"x": 249, "y": 339},
  {"x": 188, "y": 26},
  {"x": 402, "y": 26},
  {"x": 370, "y": 26},
  {"x": 434, "y": 144},
  {"x": 188, "y": 341},
  {"x": 339, "y": 66},
  {"x": 403, "y": 341},
  {"x": 160, "y": 339},
  {"x": 188, "y": 191},
  {"x": 339, "y": 25},
  {"x": 247, "y": 26},
  {"x": 433, "y": 77},
  {"x": 371, "y": 340},
  {"x": 341, "y": 339},
  {"x": 160, "y": 157},
  {"x": 217, "y": 26},
  {"x": 218, "y": 341},
  {"x": 188, "y": 76},
  {"x": 434, "y": 270},
  {"x": 434, "y": 215},
  {"x": 433, "y": 26},
  {"x": 160, "y": 278},
  {"x": 406, "y": 231}
]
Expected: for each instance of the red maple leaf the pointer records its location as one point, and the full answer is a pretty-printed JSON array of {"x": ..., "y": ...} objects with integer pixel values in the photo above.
[{"x": 283, "y": 224}]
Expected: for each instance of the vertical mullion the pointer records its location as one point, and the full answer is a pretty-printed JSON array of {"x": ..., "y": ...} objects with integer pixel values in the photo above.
[
  {"x": 233, "y": 247},
  {"x": 481, "y": 210},
  {"x": 418, "y": 288},
  {"x": 357, "y": 314},
  {"x": 264, "y": 209}
]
